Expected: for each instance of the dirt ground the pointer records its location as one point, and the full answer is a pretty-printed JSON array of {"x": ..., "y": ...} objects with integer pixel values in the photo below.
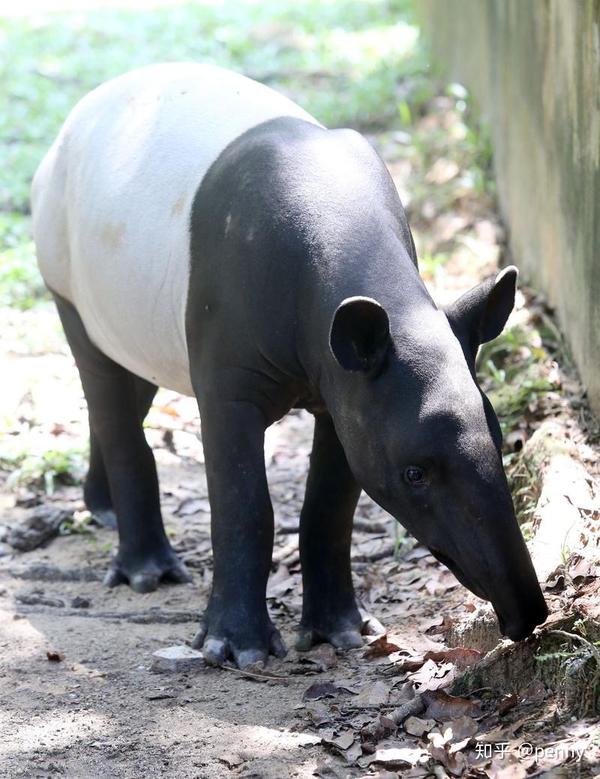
[
  {"x": 78, "y": 692},
  {"x": 103, "y": 711}
]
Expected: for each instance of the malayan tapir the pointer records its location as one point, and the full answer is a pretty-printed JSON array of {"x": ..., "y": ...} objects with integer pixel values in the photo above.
[{"x": 201, "y": 232}]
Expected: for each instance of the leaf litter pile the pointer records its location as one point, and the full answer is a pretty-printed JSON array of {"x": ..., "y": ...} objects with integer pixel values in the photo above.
[{"x": 435, "y": 693}]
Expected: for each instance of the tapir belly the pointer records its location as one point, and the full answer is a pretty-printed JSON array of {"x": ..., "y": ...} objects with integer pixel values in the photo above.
[{"x": 111, "y": 203}]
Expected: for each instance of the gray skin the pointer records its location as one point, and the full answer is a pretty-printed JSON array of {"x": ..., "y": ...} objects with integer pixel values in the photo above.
[{"x": 304, "y": 292}]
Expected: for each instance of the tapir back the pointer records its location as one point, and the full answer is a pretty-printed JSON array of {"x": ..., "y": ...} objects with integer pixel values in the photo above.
[{"x": 111, "y": 203}]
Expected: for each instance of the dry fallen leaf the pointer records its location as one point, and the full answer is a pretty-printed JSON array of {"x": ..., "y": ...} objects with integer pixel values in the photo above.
[
  {"x": 418, "y": 727},
  {"x": 432, "y": 676},
  {"x": 507, "y": 767},
  {"x": 429, "y": 624},
  {"x": 507, "y": 703},
  {"x": 231, "y": 760},
  {"x": 319, "y": 713},
  {"x": 455, "y": 762},
  {"x": 373, "y": 695},
  {"x": 441, "y": 171},
  {"x": 322, "y": 657},
  {"x": 400, "y": 756},
  {"x": 168, "y": 410},
  {"x": 381, "y": 647},
  {"x": 342, "y": 742},
  {"x": 353, "y": 753},
  {"x": 461, "y": 728},
  {"x": 320, "y": 690},
  {"x": 462, "y": 657},
  {"x": 442, "y": 707},
  {"x": 501, "y": 733}
]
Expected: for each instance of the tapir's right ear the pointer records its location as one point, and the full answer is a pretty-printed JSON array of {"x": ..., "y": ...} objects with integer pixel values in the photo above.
[
  {"x": 481, "y": 313},
  {"x": 359, "y": 336}
]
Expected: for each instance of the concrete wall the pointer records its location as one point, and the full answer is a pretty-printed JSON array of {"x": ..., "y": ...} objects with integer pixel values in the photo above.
[{"x": 534, "y": 67}]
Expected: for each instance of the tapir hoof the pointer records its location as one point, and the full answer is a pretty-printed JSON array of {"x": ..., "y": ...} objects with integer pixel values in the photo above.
[
  {"x": 339, "y": 637},
  {"x": 218, "y": 649},
  {"x": 146, "y": 575}
]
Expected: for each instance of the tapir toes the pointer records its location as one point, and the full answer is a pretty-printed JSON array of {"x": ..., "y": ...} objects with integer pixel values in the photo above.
[
  {"x": 215, "y": 650},
  {"x": 147, "y": 575},
  {"x": 247, "y": 657},
  {"x": 219, "y": 649},
  {"x": 144, "y": 582},
  {"x": 114, "y": 577},
  {"x": 343, "y": 632},
  {"x": 346, "y": 639},
  {"x": 178, "y": 574}
]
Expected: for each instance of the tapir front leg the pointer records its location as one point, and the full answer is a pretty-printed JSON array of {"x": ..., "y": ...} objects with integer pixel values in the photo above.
[
  {"x": 120, "y": 447},
  {"x": 329, "y": 611},
  {"x": 236, "y": 623}
]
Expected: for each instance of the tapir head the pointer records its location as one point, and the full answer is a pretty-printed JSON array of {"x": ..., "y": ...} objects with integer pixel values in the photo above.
[{"x": 423, "y": 440}]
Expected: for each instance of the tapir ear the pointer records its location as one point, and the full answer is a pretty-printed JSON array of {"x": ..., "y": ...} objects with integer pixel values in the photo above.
[
  {"x": 360, "y": 334},
  {"x": 481, "y": 313}
]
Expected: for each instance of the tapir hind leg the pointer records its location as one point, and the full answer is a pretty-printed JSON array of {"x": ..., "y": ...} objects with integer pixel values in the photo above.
[
  {"x": 96, "y": 489},
  {"x": 120, "y": 448},
  {"x": 329, "y": 610}
]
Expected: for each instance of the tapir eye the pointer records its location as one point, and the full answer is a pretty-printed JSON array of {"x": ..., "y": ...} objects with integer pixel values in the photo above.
[{"x": 414, "y": 475}]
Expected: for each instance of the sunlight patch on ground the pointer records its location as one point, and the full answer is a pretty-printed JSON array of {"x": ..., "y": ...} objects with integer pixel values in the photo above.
[
  {"x": 15, "y": 635},
  {"x": 56, "y": 729}
]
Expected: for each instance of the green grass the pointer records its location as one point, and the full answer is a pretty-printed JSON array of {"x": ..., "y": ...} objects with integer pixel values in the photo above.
[
  {"x": 46, "y": 469},
  {"x": 514, "y": 369},
  {"x": 349, "y": 63}
]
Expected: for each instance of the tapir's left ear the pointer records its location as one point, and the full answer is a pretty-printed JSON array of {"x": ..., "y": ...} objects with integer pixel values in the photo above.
[
  {"x": 481, "y": 313},
  {"x": 359, "y": 336}
]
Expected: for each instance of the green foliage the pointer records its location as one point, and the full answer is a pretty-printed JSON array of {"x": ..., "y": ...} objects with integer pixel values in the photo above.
[
  {"x": 514, "y": 373},
  {"x": 348, "y": 63},
  {"x": 20, "y": 283},
  {"x": 431, "y": 264},
  {"x": 572, "y": 662},
  {"x": 80, "y": 524},
  {"x": 46, "y": 469}
]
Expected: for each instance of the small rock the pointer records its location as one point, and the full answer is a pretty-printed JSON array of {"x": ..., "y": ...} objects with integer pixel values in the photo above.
[
  {"x": 177, "y": 658},
  {"x": 80, "y": 603}
]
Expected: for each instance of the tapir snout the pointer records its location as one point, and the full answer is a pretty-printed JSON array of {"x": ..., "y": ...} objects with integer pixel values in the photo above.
[
  {"x": 487, "y": 553},
  {"x": 495, "y": 565}
]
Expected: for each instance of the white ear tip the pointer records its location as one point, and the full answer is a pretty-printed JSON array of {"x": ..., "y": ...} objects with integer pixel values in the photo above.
[{"x": 505, "y": 271}]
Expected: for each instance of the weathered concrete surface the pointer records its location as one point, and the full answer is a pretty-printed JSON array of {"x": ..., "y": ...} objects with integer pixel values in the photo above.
[{"x": 534, "y": 68}]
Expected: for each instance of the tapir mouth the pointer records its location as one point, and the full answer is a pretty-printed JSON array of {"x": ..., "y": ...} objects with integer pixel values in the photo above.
[{"x": 532, "y": 609}]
